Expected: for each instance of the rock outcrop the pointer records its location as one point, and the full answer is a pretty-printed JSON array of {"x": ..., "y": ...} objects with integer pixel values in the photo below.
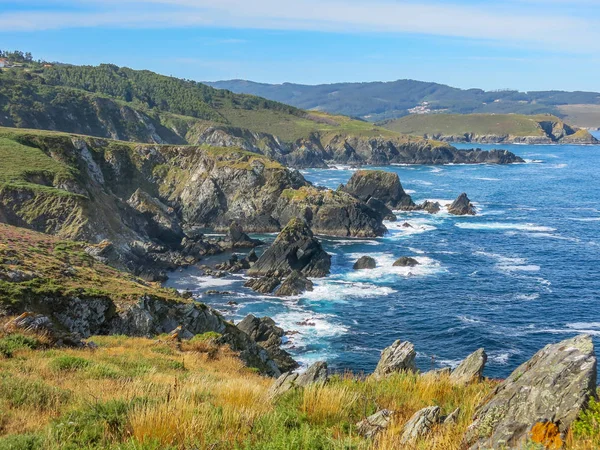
[
  {"x": 470, "y": 370},
  {"x": 375, "y": 423},
  {"x": 406, "y": 261},
  {"x": 430, "y": 207},
  {"x": 316, "y": 373},
  {"x": 268, "y": 335},
  {"x": 420, "y": 424},
  {"x": 364, "y": 262},
  {"x": 379, "y": 185},
  {"x": 236, "y": 237},
  {"x": 295, "y": 248},
  {"x": 295, "y": 284},
  {"x": 462, "y": 206},
  {"x": 264, "y": 285},
  {"x": 548, "y": 391},
  {"x": 398, "y": 357}
]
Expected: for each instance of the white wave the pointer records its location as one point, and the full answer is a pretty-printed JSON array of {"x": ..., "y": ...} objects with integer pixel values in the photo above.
[
  {"x": 333, "y": 289},
  {"x": 553, "y": 236},
  {"x": 503, "y": 226},
  {"x": 345, "y": 242},
  {"x": 487, "y": 179},
  {"x": 501, "y": 357},
  {"x": 524, "y": 268},
  {"x": 527, "y": 297},
  {"x": 422, "y": 182},
  {"x": 583, "y": 325},
  {"x": 417, "y": 226},
  {"x": 585, "y": 219},
  {"x": 206, "y": 282},
  {"x": 466, "y": 319},
  {"x": 532, "y": 161},
  {"x": 410, "y": 191},
  {"x": 416, "y": 250},
  {"x": 436, "y": 170},
  {"x": 510, "y": 263}
]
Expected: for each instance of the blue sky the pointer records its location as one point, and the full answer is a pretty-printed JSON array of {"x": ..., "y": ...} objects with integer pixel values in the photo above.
[{"x": 521, "y": 44}]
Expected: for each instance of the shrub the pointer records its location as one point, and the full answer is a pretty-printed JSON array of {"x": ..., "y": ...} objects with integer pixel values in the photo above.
[
  {"x": 69, "y": 363},
  {"x": 36, "y": 394},
  {"x": 21, "y": 442},
  {"x": 587, "y": 426},
  {"x": 13, "y": 342}
]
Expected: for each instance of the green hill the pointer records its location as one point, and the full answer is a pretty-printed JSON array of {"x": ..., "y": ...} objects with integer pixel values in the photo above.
[{"x": 541, "y": 128}]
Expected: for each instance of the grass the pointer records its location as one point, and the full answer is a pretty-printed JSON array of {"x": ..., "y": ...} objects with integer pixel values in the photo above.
[
  {"x": 581, "y": 115},
  {"x": 184, "y": 398}
]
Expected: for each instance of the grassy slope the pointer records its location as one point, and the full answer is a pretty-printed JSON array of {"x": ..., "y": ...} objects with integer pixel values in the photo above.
[
  {"x": 479, "y": 124},
  {"x": 582, "y": 115}
]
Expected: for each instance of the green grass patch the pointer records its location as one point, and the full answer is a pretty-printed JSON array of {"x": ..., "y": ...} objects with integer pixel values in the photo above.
[
  {"x": 14, "y": 342},
  {"x": 69, "y": 363},
  {"x": 19, "y": 392}
]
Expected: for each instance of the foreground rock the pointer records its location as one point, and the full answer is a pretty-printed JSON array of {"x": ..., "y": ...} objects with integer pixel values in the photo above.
[
  {"x": 380, "y": 185},
  {"x": 420, "y": 424},
  {"x": 263, "y": 285},
  {"x": 398, "y": 357},
  {"x": 364, "y": 262},
  {"x": 462, "y": 206},
  {"x": 317, "y": 373},
  {"x": 294, "y": 249},
  {"x": 42, "y": 325},
  {"x": 406, "y": 261},
  {"x": 268, "y": 335},
  {"x": 546, "y": 393},
  {"x": 375, "y": 423},
  {"x": 470, "y": 370},
  {"x": 295, "y": 284}
]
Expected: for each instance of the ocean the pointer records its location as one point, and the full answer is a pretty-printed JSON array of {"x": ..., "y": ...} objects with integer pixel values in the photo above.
[{"x": 522, "y": 273}]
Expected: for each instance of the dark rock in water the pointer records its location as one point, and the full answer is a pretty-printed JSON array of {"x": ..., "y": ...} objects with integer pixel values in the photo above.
[
  {"x": 398, "y": 357},
  {"x": 364, "y": 262},
  {"x": 406, "y": 261},
  {"x": 236, "y": 237},
  {"x": 430, "y": 207},
  {"x": 470, "y": 370},
  {"x": 379, "y": 206},
  {"x": 407, "y": 225},
  {"x": 462, "y": 206},
  {"x": 294, "y": 249},
  {"x": 420, "y": 424},
  {"x": 294, "y": 284},
  {"x": 268, "y": 335},
  {"x": 381, "y": 185},
  {"x": 264, "y": 285},
  {"x": 252, "y": 257},
  {"x": 375, "y": 423},
  {"x": 215, "y": 292},
  {"x": 542, "y": 396}
]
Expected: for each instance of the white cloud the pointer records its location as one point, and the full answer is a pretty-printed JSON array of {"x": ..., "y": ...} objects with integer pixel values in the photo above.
[{"x": 499, "y": 22}]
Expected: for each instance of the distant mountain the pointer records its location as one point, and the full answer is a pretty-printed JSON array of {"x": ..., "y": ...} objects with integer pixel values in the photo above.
[{"x": 379, "y": 101}]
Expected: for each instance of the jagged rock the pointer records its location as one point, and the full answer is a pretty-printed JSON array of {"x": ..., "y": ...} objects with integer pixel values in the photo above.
[
  {"x": 452, "y": 418},
  {"x": 316, "y": 373},
  {"x": 407, "y": 225},
  {"x": 549, "y": 390},
  {"x": 470, "y": 369},
  {"x": 420, "y": 424},
  {"x": 406, "y": 261},
  {"x": 382, "y": 209},
  {"x": 381, "y": 185},
  {"x": 398, "y": 357},
  {"x": 364, "y": 262},
  {"x": 268, "y": 335},
  {"x": 263, "y": 285},
  {"x": 295, "y": 248},
  {"x": 375, "y": 423},
  {"x": 430, "y": 207},
  {"x": 462, "y": 206},
  {"x": 252, "y": 257},
  {"x": 41, "y": 324},
  {"x": 236, "y": 237},
  {"x": 294, "y": 284},
  {"x": 439, "y": 373},
  {"x": 17, "y": 275}
]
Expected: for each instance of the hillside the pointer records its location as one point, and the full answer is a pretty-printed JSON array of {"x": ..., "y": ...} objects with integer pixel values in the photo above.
[
  {"x": 491, "y": 128},
  {"x": 378, "y": 101}
]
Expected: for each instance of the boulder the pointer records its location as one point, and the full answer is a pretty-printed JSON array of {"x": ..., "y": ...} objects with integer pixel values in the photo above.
[
  {"x": 268, "y": 335},
  {"x": 452, "y": 418},
  {"x": 364, "y": 262},
  {"x": 420, "y": 424},
  {"x": 236, "y": 238},
  {"x": 317, "y": 373},
  {"x": 546, "y": 393},
  {"x": 375, "y": 423},
  {"x": 295, "y": 248},
  {"x": 431, "y": 207},
  {"x": 295, "y": 284},
  {"x": 398, "y": 357},
  {"x": 406, "y": 261},
  {"x": 381, "y": 185},
  {"x": 42, "y": 325},
  {"x": 470, "y": 370},
  {"x": 462, "y": 206},
  {"x": 263, "y": 285}
]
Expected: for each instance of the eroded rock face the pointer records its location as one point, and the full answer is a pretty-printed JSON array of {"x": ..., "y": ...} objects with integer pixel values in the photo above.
[
  {"x": 462, "y": 206},
  {"x": 380, "y": 185},
  {"x": 295, "y": 248},
  {"x": 317, "y": 373},
  {"x": 470, "y": 370},
  {"x": 268, "y": 335},
  {"x": 431, "y": 207},
  {"x": 236, "y": 237},
  {"x": 163, "y": 223},
  {"x": 364, "y": 262},
  {"x": 420, "y": 424},
  {"x": 551, "y": 388},
  {"x": 264, "y": 285},
  {"x": 406, "y": 261},
  {"x": 398, "y": 357},
  {"x": 295, "y": 284},
  {"x": 375, "y": 423}
]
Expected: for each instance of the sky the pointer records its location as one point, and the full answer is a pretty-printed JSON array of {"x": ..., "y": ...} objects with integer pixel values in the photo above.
[{"x": 503, "y": 44}]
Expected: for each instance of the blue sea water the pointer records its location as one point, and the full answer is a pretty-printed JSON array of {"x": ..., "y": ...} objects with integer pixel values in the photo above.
[{"x": 523, "y": 273}]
